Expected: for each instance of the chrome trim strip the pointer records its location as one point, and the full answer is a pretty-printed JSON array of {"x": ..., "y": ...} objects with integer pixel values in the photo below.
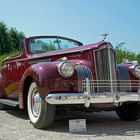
[
  {"x": 110, "y": 69},
  {"x": 9, "y": 102},
  {"x": 38, "y": 61},
  {"x": 87, "y": 95}
]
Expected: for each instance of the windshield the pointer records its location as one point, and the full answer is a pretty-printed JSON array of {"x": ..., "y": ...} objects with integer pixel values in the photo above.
[{"x": 38, "y": 45}]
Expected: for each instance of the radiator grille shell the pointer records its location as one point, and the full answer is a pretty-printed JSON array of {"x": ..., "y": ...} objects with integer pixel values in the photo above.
[{"x": 105, "y": 68}]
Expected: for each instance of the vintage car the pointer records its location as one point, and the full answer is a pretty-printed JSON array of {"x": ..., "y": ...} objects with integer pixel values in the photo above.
[{"x": 55, "y": 71}]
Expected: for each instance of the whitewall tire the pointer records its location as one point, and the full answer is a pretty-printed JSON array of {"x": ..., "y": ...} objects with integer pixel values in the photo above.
[{"x": 41, "y": 114}]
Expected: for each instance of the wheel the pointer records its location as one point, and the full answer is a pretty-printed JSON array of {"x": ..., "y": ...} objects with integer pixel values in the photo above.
[
  {"x": 41, "y": 114},
  {"x": 129, "y": 112}
]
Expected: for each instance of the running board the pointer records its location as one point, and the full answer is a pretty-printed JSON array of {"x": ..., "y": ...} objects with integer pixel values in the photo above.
[{"x": 9, "y": 102}]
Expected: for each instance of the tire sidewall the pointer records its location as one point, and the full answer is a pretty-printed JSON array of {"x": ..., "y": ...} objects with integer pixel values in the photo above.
[
  {"x": 47, "y": 111},
  {"x": 129, "y": 112},
  {"x": 33, "y": 119}
]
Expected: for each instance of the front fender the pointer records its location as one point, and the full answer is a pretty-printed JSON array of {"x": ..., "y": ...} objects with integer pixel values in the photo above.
[
  {"x": 40, "y": 73},
  {"x": 48, "y": 79},
  {"x": 124, "y": 75}
]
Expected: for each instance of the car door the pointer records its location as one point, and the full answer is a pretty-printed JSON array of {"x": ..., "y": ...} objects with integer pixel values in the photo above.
[{"x": 9, "y": 79}]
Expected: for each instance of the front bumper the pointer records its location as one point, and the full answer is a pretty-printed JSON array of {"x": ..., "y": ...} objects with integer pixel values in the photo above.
[
  {"x": 89, "y": 97},
  {"x": 84, "y": 98}
]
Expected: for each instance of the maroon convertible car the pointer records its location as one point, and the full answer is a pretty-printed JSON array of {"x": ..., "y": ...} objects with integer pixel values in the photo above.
[{"x": 54, "y": 71}]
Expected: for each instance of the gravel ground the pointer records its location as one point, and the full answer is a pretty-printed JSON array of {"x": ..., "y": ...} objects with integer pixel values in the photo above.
[{"x": 15, "y": 125}]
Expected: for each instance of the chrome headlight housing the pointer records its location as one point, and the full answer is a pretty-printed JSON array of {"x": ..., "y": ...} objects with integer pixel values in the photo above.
[
  {"x": 137, "y": 71},
  {"x": 65, "y": 69}
]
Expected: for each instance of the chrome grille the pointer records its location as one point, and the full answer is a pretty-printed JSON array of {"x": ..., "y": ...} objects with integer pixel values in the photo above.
[
  {"x": 122, "y": 86},
  {"x": 104, "y": 59},
  {"x": 83, "y": 72}
]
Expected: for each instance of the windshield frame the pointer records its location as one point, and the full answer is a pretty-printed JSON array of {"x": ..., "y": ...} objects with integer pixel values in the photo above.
[{"x": 51, "y": 37}]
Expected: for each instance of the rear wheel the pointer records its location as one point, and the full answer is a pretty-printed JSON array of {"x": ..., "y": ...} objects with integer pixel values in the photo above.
[
  {"x": 41, "y": 114},
  {"x": 129, "y": 112}
]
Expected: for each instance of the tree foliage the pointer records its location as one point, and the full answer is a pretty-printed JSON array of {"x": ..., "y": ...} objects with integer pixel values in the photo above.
[
  {"x": 15, "y": 39},
  {"x": 124, "y": 53},
  {"x": 4, "y": 46},
  {"x": 10, "y": 39}
]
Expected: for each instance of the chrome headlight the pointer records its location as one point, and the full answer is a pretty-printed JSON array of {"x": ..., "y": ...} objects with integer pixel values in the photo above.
[
  {"x": 65, "y": 69},
  {"x": 137, "y": 71}
]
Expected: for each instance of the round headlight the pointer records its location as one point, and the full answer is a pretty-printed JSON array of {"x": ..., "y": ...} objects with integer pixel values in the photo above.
[
  {"x": 137, "y": 71},
  {"x": 65, "y": 69}
]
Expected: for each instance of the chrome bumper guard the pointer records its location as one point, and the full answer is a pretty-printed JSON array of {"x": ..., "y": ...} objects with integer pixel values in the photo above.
[{"x": 88, "y": 98}]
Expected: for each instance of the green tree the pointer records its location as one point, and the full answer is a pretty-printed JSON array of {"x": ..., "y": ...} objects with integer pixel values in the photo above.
[
  {"x": 4, "y": 45},
  {"x": 124, "y": 53},
  {"x": 138, "y": 57},
  {"x": 15, "y": 38},
  {"x": 10, "y": 39}
]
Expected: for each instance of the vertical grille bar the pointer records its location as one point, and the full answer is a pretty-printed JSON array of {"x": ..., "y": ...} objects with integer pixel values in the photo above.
[{"x": 105, "y": 69}]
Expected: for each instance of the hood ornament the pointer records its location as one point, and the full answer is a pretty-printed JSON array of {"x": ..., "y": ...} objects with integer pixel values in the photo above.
[{"x": 104, "y": 36}]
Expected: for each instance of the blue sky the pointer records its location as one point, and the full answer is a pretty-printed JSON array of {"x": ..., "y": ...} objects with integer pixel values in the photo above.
[{"x": 84, "y": 20}]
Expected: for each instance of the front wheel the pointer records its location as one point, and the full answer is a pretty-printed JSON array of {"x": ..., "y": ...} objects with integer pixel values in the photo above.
[
  {"x": 41, "y": 114},
  {"x": 129, "y": 112}
]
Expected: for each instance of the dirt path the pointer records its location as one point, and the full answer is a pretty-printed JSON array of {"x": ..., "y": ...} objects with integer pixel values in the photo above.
[{"x": 15, "y": 125}]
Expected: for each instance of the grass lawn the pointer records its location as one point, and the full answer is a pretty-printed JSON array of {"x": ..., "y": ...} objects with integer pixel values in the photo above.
[{"x": 4, "y": 56}]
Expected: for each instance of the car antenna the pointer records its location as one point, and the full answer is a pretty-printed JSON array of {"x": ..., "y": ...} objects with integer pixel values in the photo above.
[{"x": 104, "y": 36}]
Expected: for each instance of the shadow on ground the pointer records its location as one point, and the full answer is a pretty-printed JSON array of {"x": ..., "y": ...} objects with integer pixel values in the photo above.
[
  {"x": 98, "y": 124},
  {"x": 22, "y": 114}
]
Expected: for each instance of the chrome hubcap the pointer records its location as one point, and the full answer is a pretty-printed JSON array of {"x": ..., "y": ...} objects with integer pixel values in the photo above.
[{"x": 36, "y": 103}]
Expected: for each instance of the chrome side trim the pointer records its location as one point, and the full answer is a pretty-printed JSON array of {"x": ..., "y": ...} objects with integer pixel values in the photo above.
[{"x": 9, "y": 102}]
